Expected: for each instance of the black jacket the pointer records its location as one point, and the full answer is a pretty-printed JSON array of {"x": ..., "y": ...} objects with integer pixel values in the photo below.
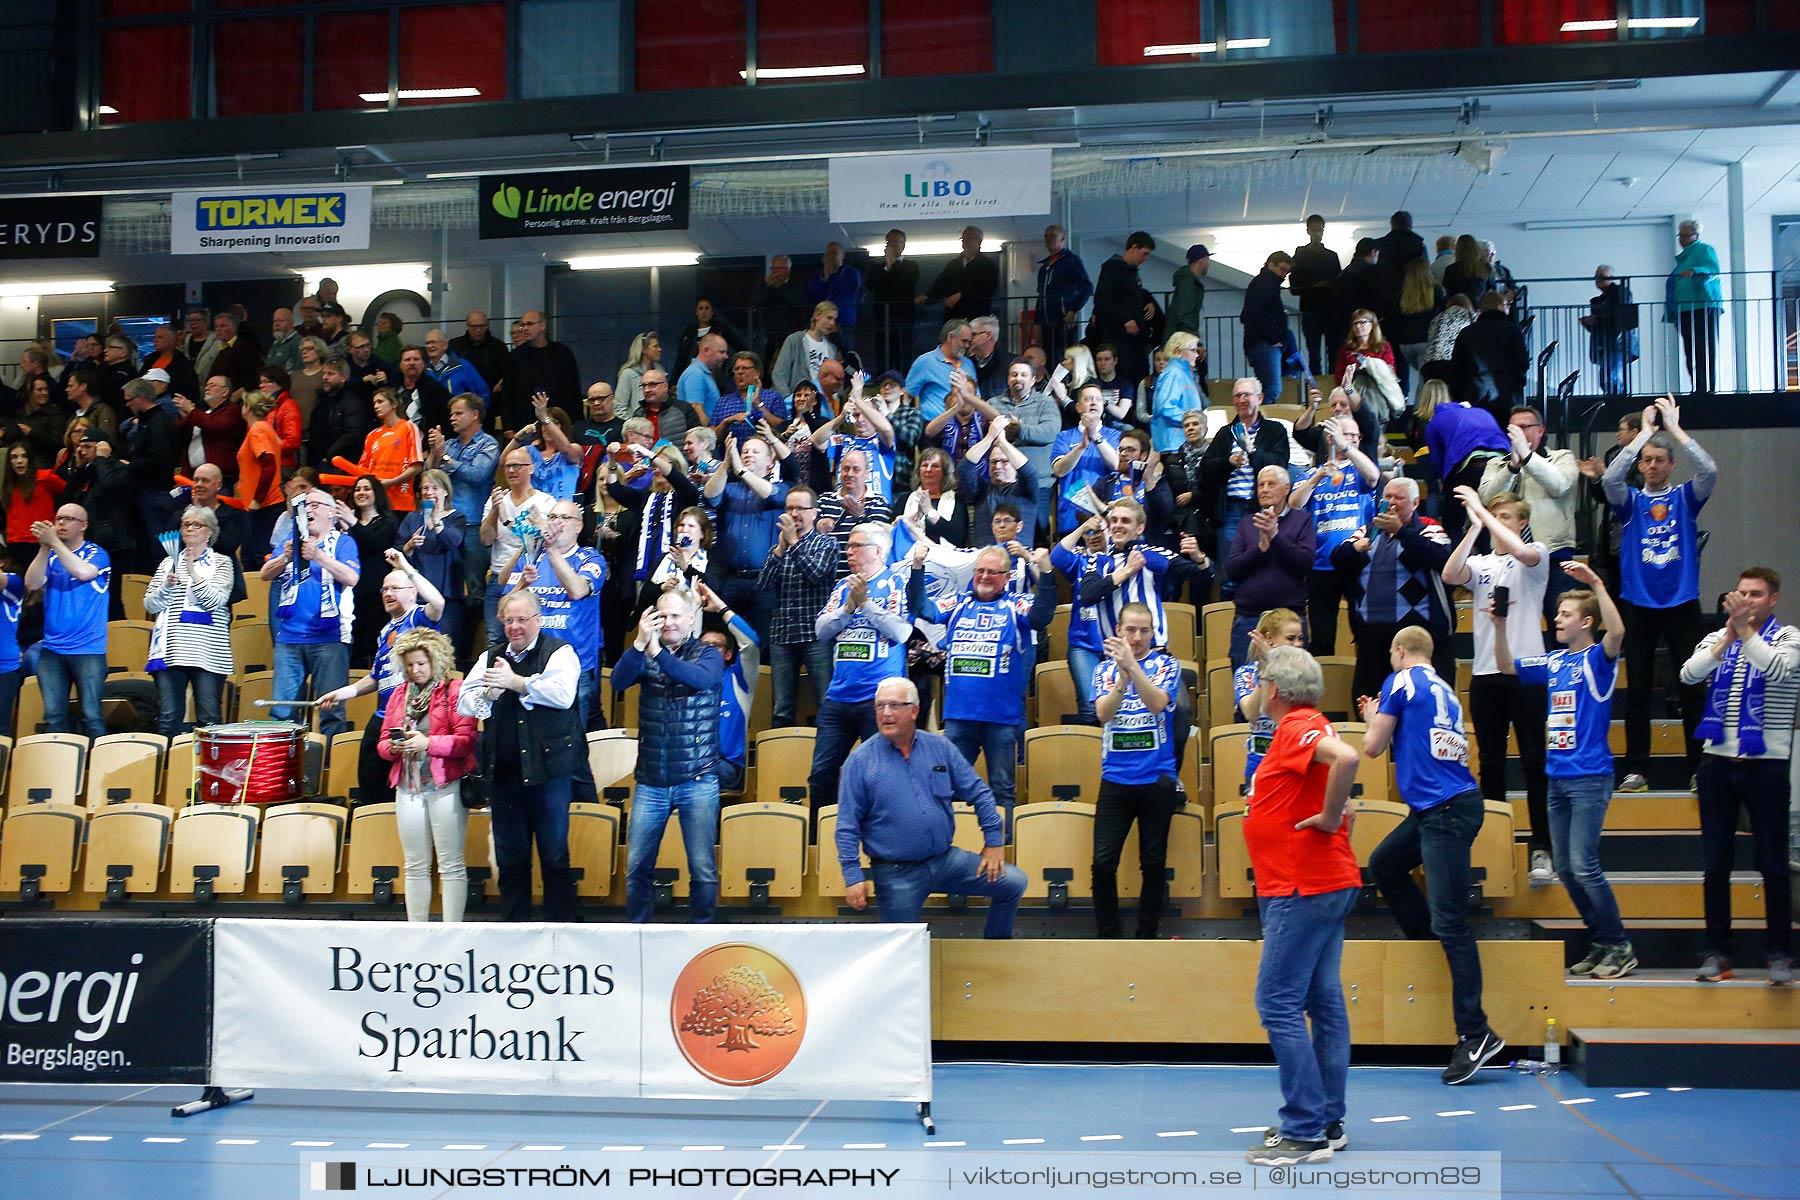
[
  {"x": 340, "y": 422},
  {"x": 487, "y": 356},
  {"x": 151, "y": 438},
  {"x": 434, "y": 404},
  {"x": 1269, "y": 450},
  {"x": 1359, "y": 286},
  {"x": 891, "y": 292},
  {"x": 550, "y": 741},
  {"x": 104, "y": 488},
  {"x": 1489, "y": 365},
  {"x": 531, "y": 369},
  {"x": 1398, "y": 248},
  {"x": 1316, "y": 269},
  {"x": 1263, "y": 315},
  {"x": 1119, "y": 296},
  {"x": 974, "y": 283}
]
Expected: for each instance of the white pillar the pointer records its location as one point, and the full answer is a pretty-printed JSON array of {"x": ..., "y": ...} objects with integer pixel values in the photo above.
[{"x": 1738, "y": 285}]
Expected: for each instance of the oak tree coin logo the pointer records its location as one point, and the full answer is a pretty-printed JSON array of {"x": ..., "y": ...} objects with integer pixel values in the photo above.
[{"x": 738, "y": 1014}]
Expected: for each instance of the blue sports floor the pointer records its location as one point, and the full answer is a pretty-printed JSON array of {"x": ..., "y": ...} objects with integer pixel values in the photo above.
[{"x": 1557, "y": 1137}]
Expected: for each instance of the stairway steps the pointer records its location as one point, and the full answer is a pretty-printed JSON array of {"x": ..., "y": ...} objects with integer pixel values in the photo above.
[{"x": 1716, "y": 1058}]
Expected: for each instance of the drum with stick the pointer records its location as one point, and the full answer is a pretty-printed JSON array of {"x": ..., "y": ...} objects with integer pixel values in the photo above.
[{"x": 251, "y": 762}]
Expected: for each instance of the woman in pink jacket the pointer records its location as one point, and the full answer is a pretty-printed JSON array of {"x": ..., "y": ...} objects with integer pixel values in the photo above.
[{"x": 432, "y": 748}]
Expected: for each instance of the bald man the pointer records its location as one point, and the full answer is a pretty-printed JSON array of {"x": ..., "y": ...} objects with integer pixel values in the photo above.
[
  {"x": 75, "y": 575},
  {"x": 477, "y": 346},
  {"x": 539, "y": 365}
]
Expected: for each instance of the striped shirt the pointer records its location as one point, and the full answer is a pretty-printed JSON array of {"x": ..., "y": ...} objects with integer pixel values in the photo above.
[
  {"x": 1779, "y": 661},
  {"x": 1241, "y": 483},
  {"x": 198, "y": 631},
  {"x": 1139, "y": 589},
  {"x": 831, "y": 508}
]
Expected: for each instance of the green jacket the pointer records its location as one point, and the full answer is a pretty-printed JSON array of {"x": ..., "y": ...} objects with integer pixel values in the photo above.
[{"x": 1185, "y": 304}]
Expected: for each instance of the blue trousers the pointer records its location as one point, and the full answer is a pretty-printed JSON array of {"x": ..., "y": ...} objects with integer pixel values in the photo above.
[
  {"x": 901, "y": 888},
  {"x": 1303, "y": 952},
  {"x": 1577, "y": 809},
  {"x": 1001, "y": 743},
  {"x": 1082, "y": 665},
  {"x": 696, "y": 805},
  {"x": 1265, "y": 364},
  {"x": 841, "y": 724},
  {"x": 171, "y": 694},
  {"x": 88, "y": 673},
  {"x": 328, "y": 663}
]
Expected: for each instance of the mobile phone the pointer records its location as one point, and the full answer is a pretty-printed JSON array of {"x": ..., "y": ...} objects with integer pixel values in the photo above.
[
  {"x": 1382, "y": 507},
  {"x": 1502, "y": 599},
  {"x": 1061, "y": 373}
]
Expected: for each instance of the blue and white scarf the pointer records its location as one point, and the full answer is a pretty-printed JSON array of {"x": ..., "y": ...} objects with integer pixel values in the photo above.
[
  {"x": 300, "y": 568},
  {"x": 659, "y": 509},
  {"x": 1750, "y": 705},
  {"x": 187, "y": 614}
]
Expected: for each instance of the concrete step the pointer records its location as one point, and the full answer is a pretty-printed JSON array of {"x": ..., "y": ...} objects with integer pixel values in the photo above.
[
  {"x": 1662, "y": 943},
  {"x": 1717, "y": 1058}
]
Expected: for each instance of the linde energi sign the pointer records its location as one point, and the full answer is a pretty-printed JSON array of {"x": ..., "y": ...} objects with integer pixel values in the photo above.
[
  {"x": 556, "y": 203},
  {"x": 961, "y": 185}
]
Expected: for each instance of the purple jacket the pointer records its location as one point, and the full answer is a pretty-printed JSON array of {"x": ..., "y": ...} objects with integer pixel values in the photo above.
[
  {"x": 1457, "y": 431},
  {"x": 1275, "y": 578}
]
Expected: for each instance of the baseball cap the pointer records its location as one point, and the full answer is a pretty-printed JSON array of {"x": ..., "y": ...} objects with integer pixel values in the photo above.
[
  {"x": 885, "y": 378},
  {"x": 97, "y": 435},
  {"x": 1196, "y": 252},
  {"x": 332, "y": 306},
  {"x": 157, "y": 375}
]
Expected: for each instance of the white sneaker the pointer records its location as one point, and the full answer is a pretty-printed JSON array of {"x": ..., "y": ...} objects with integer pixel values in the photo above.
[
  {"x": 1634, "y": 783},
  {"x": 1540, "y": 866}
]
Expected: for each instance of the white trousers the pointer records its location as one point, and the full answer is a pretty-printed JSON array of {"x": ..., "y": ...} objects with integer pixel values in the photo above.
[{"x": 432, "y": 819}]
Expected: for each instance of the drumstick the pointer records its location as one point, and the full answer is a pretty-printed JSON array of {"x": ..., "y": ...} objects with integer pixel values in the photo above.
[{"x": 287, "y": 703}]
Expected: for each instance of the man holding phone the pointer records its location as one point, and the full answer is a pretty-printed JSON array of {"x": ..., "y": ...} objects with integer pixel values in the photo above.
[{"x": 1511, "y": 581}]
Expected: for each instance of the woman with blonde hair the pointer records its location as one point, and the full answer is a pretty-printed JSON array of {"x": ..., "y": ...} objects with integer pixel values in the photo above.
[
  {"x": 259, "y": 473},
  {"x": 934, "y": 504},
  {"x": 800, "y": 355},
  {"x": 432, "y": 747},
  {"x": 628, "y": 392},
  {"x": 304, "y": 385},
  {"x": 1462, "y": 440},
  {"x": 1177, "y": 391},
  {"x": 1471, "y": 274},
  {"x": 1420, "y": 300},
  {"x": 190, "y": 645},
  {"x": 1277, "y": 627}
]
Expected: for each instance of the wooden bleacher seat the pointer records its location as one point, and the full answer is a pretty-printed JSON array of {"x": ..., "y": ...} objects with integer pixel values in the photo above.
[
  {"x": 374, "y": 842},
  {"x": 253, "y": 649},
  {"x": 1215, "y": 630},
  {"x": 827, "y": 870},
  {"x": 1062, "y": 756},
  {"x": 783, "y": 762},
  {"x": 762, "y": 703},
  {"x": 359, "y": 712},
  {"x": 624, "y": 708},
  {"x": 1184, "y": 628},
  {"x": 306, "y": 833},
  {"x": 243, "y": 691},
  {"x": 1375, "y": 776},
  {"x": 47, "y": 836},
  {"x": 47, "y": 767},
  {"x": 1055, "y": 836},
  {"x": 342, "y": 781},
  {"x": 6, "y": 750},
  {"x": 1375, "y": 819},
  {"x": 612, "y": 756},
  {"x": 132, "y": 588},
  {"x": 478, "y": 848},
  {"x": 1055, "y": 686},
  {"x": 214, "y": 835},
  {"x": 125, "y": 767},
  {"x": 28, "y": 715},
  {"x": 762, "y": 836},
  {"x": 593, "y": 847},
  {"x": 128, "y": 644},
  {"x": 255, "y": 604},
  {"x": 1228, "y": 836},
  {"x": 1221, "y": 697},
  {"x": 178, "y": 774},
  {"x": 1230, "y": 750},
  {"x": 1339, "y": 702},
  {"x": 134, "y": 836},
  {"x": 1493, "y": 850},
  {"x": 1057, "y": 635},
  {"x": 313, "y": 753}
]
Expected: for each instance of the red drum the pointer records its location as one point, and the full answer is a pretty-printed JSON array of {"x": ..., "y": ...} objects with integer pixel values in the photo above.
[{"x": 250, "y": 762}]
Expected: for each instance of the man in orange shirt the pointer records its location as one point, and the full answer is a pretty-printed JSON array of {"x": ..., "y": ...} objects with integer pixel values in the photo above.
[{"x": 1297, "y": 830}]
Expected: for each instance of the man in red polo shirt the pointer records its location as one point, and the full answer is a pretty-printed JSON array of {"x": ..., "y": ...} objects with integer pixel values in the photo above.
[{"x": 1297, "y": 830}]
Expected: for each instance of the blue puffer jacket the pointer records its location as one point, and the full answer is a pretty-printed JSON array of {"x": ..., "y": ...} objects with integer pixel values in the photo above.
[{"x": 678, "y": 710}]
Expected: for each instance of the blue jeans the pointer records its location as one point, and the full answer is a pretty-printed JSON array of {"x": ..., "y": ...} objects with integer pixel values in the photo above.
[
  {"x": 328, "y": 663},
  {"x": 1001, "y": 744},
  {"x": 784, "y": 676},
  {"x": 9, "y": 700},
  {"x": 901, "y": 888},
  {"x": 1265, "y": 364},
  {"x": 1440, "y": 839},
  {"x": 1577, "y": 808},
  {"x": 750, "y": 602},
  {"x": 88, "y": 673},
  {"x": 1239, "y": 649},
  {"x": 696, "y": 803},
  {"x": 1082, "y": 665},
  {"x": 1233, "y": 516},
  {"x": 171, "y": 694},
  {"x": 840, "y": 725},
  {"x": 1303, "y": 952},
  {"x": 524, "y": 813}
]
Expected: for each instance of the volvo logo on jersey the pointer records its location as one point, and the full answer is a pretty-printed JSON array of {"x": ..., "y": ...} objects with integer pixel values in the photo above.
[
  {"x": 550, "y": 203},
  {"x": 50, "y": 227}
]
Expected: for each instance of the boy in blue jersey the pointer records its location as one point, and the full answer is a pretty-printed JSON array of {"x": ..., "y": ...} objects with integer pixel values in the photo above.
[
  {"x": 1419, "y": 716},
  {"x": 730, "y": 634},
  {"x": 867, "y": 620},
  {"x": 1075, "y": 556},
  {"x": 1340, "y": 493},
  {"x": 861, "y": 427},
  {"x": 1659, "y": 572},
  {"x": 1134, "y": 698},
  {"x": 1578, "y": 756},
  {"x": 1130, "y": 572},
  {"x": 1278, "y": 627},
  {"x": 75, "y": 576},
  {"x": 988, "y": 643}
]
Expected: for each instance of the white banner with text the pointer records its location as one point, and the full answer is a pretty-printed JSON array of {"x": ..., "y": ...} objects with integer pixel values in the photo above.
[
  {"x": 955, "y": 185},
  {"x": 238, "y": 220},
  {"x": 720, "y": 1012}
]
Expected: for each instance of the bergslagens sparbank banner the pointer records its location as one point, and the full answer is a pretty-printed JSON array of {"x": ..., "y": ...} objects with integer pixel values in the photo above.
[
  {"x": 964, "y": 185},
  {"x": 246, "y": 220}
]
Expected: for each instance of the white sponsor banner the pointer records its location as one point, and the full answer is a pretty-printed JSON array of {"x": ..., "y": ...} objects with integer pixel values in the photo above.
[
  {"x": 716, "y": 1012},
  {"x": 247, "y": 220},
  {"x": 958, "y": 185},
  {"x": 382, "y": 1006}
]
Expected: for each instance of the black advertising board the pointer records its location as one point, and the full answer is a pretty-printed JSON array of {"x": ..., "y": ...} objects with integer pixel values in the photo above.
[
  {"x": 121, "y": 1001},
  {"x": 50, "y": 227},
  {"x": 555, "y": 203}
]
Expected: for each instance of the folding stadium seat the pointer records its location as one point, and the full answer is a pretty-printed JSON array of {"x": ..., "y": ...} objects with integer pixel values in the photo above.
[
  {"x": 39, "y": 849},
  {"x": 47, "y": 767},
  {"x": 762, "y": 703},
  {"x": 6, "y": 752},
  {"x": 1053, "y": 843},
  {"x": 254, "y": 606},
  {"x": 1375, "y": 819},
  {"x": 341, "y": 778},
  {"x": 478, "y": 855},
  {"x": 1221, "y": 699},
  {"x": 131, "y": 597},
  {"x": 1230, "y": 750},
  {"x": 1215, "y": 629},
  {"x": 783, "y": 762},
  {"x": 1062, "y": 762},
  {"x": 213, "y": 849},
  {"x": 243, "y": 691},
  {"x": 28, "y": 717},
  {"x": 126, "y": 767},
  {"x": 127, "y": 848},
  {"x": 1339, "y": 702},
  {"x": 1055, "y": 692},
  {"x": 762, "y": 850},
  {"x": 359, "y": 712},
  {"x": 826, "y": 867},
  {"x": 1374, "y": 776},
  {"x": 253, "y": 648},
  {"x": 128, "y": 644},
  {"x": 612, "y": 756},
  {"x": 593, "y": 846},
  {"x": 1182, "y": 621},
  {"x": 302, "y": 847},
  {"x": 1493, "y": 850},
  {"x": 313, "y": 754},
  {"x": 1057, "y": 635},
  {"x": 1228, "y": 836},
  {"x": 178, "y": 777},
  {"x": 375, "y": 866},
  {"x": 625, "y": 709}
]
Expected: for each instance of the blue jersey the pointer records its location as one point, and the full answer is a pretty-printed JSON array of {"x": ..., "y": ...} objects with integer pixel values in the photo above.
[
  {"x": 551, "y": 472},
  {"x": 987, "y": 646},
  {"x": 1087, "y": 469},
  {"x": 576, "y": 622},
  {"x": 1139, "y": 589},
  {"x": 12, "y": 599},
  {"x": 1244, "y": 681},
  {"x": 313, "y": 607},
  {"x": 739, "y": 692},
  {"x": 1659, "y": 547},
  {"x": 1084, "y": 619},
  {"x": 1340, "y": 505},
  {"x": 387, "y": 669},
  {"x": 880, "y": 459},
  {"x": 863, "y": 655},
  {"x": 1137, "y": 745},
  {"x": 75, "y": 612},
  {"x": 1577, "y": 738},
  {"x": 1430, "y": 747}
]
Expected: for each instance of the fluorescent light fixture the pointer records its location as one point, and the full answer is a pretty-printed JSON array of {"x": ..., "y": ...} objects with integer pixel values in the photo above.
[
  {"x": 368, "y": 279},
  {"x": 804, "y": 72},
  {"x": 1631, "y": 23},
  {"x": 1246, "y": 246},
  {"x": 449, "y": 93},
  {"x": 107, "y": 110},
  {"x": 1205, "y": 47},
  {"x": 633, "y": 259},
  {"x": 19, "y": 288},
  {"x": 921, "y": 247}
]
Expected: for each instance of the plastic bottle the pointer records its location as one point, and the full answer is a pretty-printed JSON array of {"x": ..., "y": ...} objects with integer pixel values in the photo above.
[{"x": 1552, "y": 1048}]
